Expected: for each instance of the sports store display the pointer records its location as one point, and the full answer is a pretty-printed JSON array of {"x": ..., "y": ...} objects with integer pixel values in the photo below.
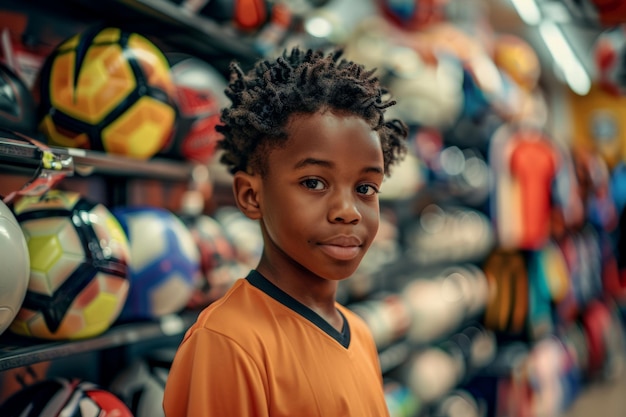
[{"x": 496, "y": 286}]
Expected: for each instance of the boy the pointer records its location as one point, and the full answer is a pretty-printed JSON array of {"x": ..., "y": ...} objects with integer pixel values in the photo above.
[{"x": 308, "y": 146}]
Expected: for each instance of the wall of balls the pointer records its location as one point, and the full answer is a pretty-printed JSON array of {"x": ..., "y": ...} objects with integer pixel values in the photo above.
[{"x": 495, "y": 286}]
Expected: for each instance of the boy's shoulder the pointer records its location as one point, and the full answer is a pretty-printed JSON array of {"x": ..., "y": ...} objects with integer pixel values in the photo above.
[
  {"x": 234, "y": 306},
  {"x": 244, "y": 312}
]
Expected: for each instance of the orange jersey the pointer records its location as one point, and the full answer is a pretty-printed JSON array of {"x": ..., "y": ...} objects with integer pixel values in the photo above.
[{"x": 257, "y": 352}]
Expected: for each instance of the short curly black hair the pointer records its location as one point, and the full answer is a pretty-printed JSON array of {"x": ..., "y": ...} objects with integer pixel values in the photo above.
[{"x": 300, "y": 82}]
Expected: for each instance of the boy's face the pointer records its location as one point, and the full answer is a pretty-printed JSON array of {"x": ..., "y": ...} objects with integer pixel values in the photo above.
[{"x": 319, "y": 202}]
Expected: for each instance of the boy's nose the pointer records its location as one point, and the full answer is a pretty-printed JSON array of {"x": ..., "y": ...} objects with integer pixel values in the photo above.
[{"x": 344, "y": 209}]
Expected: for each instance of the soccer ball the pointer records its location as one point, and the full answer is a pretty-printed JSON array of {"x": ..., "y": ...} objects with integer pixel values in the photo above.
[
  {"x": 219, "y": 263},
  {"x": 64, "y": 397},
  {"x": 518, "y": 60},
  {"x": 244, "y": 15},
  {"x": 165, "y": 263},
  {"x": 603, "y": 13},
  {"x": 200, "y": 97},
  {"x": 245, "y": 234},
  {"x": 18, "y": 110},
  {"x": 78, "y": 267},
  {"x": 15, "y": 271},
  {"x": 265, "y": 23},
  {"x": 141, "y": 386},
  {"x": 413, "y": 14},
  {"x": 108, "y": 90},
  {"x": 609, "y": 51}
]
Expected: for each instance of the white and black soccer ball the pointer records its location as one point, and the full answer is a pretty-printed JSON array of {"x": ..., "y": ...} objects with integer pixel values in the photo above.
[{"x": 142, "y": 383}]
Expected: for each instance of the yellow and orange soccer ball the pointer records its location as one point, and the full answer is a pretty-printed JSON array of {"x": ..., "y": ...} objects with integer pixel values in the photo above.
[
  {"x": 109, "y": 90},
  {"x": 79, "y": 257}
]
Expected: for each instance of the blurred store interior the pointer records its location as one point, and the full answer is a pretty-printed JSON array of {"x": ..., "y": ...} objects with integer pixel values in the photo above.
[{"x": 497, "y": 283}]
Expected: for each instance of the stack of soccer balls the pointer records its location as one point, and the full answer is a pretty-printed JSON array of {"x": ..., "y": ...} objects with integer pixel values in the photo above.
[{"x": 72, "y": 267}]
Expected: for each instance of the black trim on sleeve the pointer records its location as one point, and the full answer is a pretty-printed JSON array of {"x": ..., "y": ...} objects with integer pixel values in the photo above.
[{"x": 259, "y": 281}]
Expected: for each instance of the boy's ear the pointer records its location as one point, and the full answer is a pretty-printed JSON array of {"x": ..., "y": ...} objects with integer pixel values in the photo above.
[{"x": 246, "y": 191}]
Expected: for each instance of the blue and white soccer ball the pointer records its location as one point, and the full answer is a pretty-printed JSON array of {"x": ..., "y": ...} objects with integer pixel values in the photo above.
[{"x": 165, "y": 262}]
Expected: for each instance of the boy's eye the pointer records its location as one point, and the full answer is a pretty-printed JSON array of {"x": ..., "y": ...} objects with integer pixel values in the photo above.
[
  {"x": 313, "y": 184},
  {"x": 366, "y": 189}
]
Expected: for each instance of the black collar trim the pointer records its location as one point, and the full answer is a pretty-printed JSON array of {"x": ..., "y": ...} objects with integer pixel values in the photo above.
[{"x": 260, "y": 282}]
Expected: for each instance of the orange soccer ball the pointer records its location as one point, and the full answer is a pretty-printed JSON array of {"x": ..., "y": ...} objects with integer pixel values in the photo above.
[{"x": 108, "y": 90}]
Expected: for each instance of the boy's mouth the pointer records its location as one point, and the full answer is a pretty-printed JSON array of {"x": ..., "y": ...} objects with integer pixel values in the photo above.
[{"x": 342, "y": 247}]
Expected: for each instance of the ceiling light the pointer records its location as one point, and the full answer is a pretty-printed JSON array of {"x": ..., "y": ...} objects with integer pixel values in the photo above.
[
  {"x": 528, "y": 11},
  {"x": 565, "y": 58}
]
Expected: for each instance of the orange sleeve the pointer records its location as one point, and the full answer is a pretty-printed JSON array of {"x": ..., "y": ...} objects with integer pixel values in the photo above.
[{"x": 212, "y": 376}]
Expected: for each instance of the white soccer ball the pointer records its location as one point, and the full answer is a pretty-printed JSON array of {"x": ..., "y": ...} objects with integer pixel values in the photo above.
[{"x": 15, "y": 267}]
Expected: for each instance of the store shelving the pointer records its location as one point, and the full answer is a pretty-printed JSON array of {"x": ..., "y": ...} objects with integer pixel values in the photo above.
[
  {"x": 178, "y": 29},
  {"x": 19, "y": 154},
  {"x": 165, "y": 22},
  {"x": 17, "y": 351},
  {"x": 216, "y": 37}
]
